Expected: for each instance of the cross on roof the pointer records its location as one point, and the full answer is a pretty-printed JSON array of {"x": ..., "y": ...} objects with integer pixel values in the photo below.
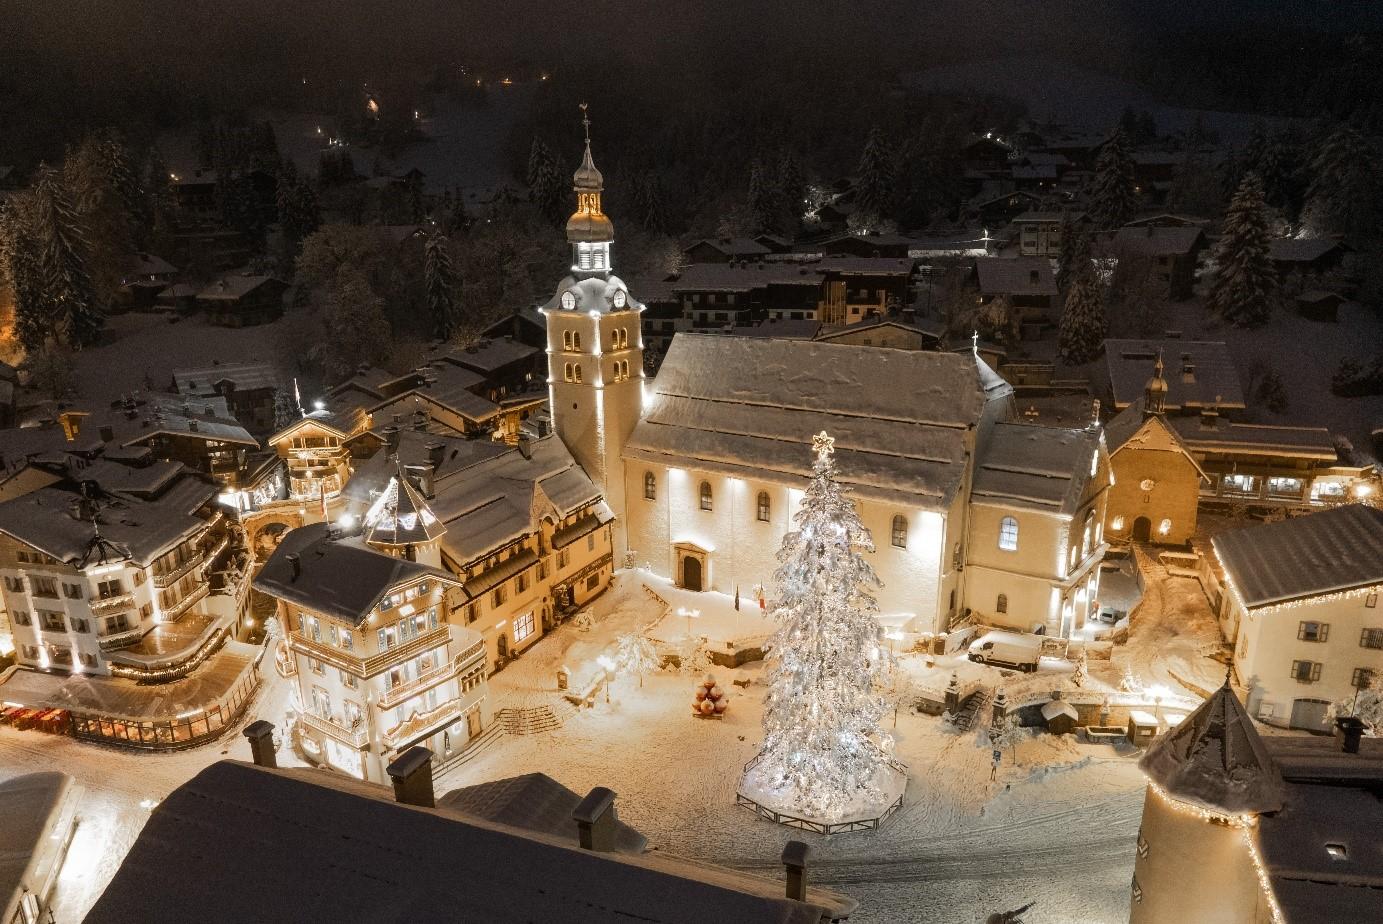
[{"x": 975, "y": 342}]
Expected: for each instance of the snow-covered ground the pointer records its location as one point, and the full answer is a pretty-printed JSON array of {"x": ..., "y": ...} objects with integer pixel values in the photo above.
[{"x": 1056, "y": 826}]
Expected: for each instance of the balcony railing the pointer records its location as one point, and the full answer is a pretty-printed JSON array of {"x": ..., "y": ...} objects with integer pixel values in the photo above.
[
  {"x": 443, "y": 672},
  {"x": 118, "y": 640},
  {"x": 170, "y": 577},
  {"x": 368, "y": 667},
  {"x": 115, "y": 602},
  {"x": 420, "y": 723},
  {"x": 186, "y": 603},
  {"x": 356, "y": 737}
]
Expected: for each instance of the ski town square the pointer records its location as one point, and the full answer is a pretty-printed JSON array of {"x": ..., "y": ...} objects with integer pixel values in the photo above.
[{"x": 936, "y": 485}]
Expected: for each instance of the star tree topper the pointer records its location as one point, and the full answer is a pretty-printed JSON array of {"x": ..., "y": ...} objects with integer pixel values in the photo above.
[{"x": 824, "y": 444}]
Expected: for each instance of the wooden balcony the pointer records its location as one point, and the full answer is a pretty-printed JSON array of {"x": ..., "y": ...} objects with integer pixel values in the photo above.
[
  {"x": 103, "y": 605},
  {"x": 170, "y": 577},
  {"x": 186, "y": 603},
  {"x": 118, "y": 640}
]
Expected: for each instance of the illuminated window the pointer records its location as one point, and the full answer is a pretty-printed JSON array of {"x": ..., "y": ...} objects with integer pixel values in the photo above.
[
  {"x": 1008, "y": 534},
  {"x": 576, "y": 373},
  {"x": 566, "y": 340},
  {"x": 567, "y": 373},
  {"x": 763, "y": 507},
  {"x": 900, "y": 532},
  {"x": 576, "y": 340},
  {"x": 523, "y": 627},
  {"x": 705, "y": 495},
  {"x": 1117, "y": 524},
  {"x": 1164, "y": 527},
  {"x": 650, "y": 486}
]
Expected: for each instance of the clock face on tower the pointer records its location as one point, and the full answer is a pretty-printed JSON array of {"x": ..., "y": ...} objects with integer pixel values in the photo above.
[
  {"x": 568, "y": 300},
  {"x": 620, "y": 299}
]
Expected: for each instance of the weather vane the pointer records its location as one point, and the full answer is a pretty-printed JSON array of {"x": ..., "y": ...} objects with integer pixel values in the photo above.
[{"x": 586, "y": 124}]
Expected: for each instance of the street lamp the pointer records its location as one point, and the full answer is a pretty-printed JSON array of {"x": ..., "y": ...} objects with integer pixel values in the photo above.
[{"x": 609, "y": 665}]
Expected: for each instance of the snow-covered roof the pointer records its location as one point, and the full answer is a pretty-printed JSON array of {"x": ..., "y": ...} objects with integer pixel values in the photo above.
[
  {"x": 731, "y": 246},
  {"x": 444, "y": 383},
  {"x": 1301, "y": 249},
  {"x": 1215, "y": 759},
  {"x": 1015, "y": 276},
  {"x": 147, "y": 264},
  {"x": 1333, "y": 550},
  {"x": 1044, "y": 468},
  {"x": 242, "y": 376},
  {"x": 1158, "y": 241},
  {"x": 736, "y": 277},
  {"x": 235, "y": 286},
  {"x": 1216, "y": 434},
  {"x": 32, "y": 805},
  {"x": 532, "y": 802},
  {"x": 314, "y": 569},
  {"x": 932, "y": 332},
  {"x": 488, "y": 354},
  {"x": 748, "y": 407},
  {"x": 373, "y": 859},
  {"x": 1059, "y": 707},
  {"x": 1199, "y": 373},
  {"x": 594, "y": 293}
]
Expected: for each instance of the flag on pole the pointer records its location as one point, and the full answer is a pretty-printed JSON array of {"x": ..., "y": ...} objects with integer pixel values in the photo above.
[{"x": 323, "y": 486}]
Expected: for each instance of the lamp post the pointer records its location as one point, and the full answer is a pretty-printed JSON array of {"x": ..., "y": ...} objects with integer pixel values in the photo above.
[{"x": 609, "y": 667}]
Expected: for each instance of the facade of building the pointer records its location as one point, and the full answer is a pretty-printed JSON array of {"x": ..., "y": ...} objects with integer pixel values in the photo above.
[
  {"x": 1301, "y": 606},
  {"x": 316, "y": 452}
]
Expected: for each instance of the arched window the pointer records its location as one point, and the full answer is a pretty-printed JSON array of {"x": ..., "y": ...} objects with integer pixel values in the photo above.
[
  {"x": 567, "y": 373},
  {"x": 650, "y": 486},
  {"x": 1008, "y": 534},
  {"x": 1001, "y": 604},
  {"x": 566, "y": 340},
  {"x": 1164, "y": 527},
  {"x": 705, "y": 495},
  {"x": 576, "y": 340},
  {"x": 1089, "y": 539},
  {"x": 764, "y": 507},
  {"x": 900, "y": 532},
  {"x": 576, "y": 373}
]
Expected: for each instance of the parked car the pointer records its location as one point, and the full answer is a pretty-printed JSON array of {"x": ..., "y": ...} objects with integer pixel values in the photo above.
[{"x": 1011, "y": 649}]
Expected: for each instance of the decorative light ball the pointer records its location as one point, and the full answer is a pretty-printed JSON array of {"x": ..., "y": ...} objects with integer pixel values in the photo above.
[
  {"x": 709, "y": 681},
  {"x": 700, "y": 694},
  {"x": 720, "y": 705},
  {"x": 707, "y": 707},
  {"x": 717, "y": 692}
]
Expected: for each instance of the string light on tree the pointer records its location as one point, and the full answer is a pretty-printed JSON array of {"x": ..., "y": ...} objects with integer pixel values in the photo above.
[{"x": 824, "y": 756}]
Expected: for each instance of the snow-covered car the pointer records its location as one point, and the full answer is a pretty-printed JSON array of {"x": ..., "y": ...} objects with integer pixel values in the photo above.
[{"x": 1010, "y": 649}]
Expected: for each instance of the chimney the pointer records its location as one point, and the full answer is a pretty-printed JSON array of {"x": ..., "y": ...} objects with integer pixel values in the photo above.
[
  {"x": 296, "y": 563},
  {"x": 421, "y": 476},
  {"x": 795, "y": 863},
  {"x": 391, "y": 439},
  {"x": 1349, "y": 729},
  {"x": 261, "y": 735},
  {"x": 541, "y": 425},
  {"x": 435, "y": 451},
  {"x": 412, "y": 776},
  {"x": 595, "y": 820},
  {"x": 107, "y": 434},
  {"x": 525, "y": 446},
  {"x": 908, "y": 315}
]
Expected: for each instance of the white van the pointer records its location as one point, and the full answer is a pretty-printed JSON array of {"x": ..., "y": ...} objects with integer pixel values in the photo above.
[{"x": 1011, "y": 649}]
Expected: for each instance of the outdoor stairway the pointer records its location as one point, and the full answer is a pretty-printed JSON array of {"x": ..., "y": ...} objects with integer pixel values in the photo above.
[
  {"x": 533, "y": 720},
  {"x": 472, "y": 749},
  {"x": 975, "y": 708}
]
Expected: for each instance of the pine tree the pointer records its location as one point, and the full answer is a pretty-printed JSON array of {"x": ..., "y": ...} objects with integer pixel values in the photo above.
[
  {"x": 1082, "y": 331},
  {"x": 545, "y": 182},
  {"x": 1245, "y": 288},
  {"x": 59, "y": 302},
  {"x": 1113, "y": 198},
  {"x": 763, "y": 203},
  {"x": 823, "y": 748},
  {"x": 1340, "y": 198},
  {"x": 1074, "y": 254},
  {"x": 440, "y": 280},
  {"x": 875, "y": 185},
  {"x": 648, "y": 202}
]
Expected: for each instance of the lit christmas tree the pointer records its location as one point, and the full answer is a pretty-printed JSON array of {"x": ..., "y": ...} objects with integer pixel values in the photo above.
[{"x": 824, "y": 755}]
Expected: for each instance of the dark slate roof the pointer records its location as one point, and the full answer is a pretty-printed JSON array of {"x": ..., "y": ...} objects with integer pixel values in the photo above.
[
  {"x": 1338, "y": 549},
  {"x": 728, "y": 277},
  {"x": 748, "y": 407},
  {"x": 244, "y": 376},
  {"x": 1013, "y": 276},
  {"x": 1154, "y": 241},
  {"x": 229, "y": 846},
  {"x": 1301, "y": 249},
  {"x": 446, "y": 384},
  {"x": 488, "y": 354},
  {"x": 532, "y": 802},
  {"x": 1212, "y": 380},
  {"x": 235, "y": 286},
  {"x": 1216, "y": 434},
  {"x": 733, "y": 246},
  {"x": 338, "y": 578},
  {"x": 1043, "y": 468}
]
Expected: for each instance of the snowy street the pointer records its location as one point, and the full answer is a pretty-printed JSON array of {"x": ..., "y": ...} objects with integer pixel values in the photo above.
[{"x": 1056, "y": 828}]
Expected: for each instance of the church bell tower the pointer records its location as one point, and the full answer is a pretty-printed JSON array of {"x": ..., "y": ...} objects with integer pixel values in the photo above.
[{"x": 595, "y": 346}]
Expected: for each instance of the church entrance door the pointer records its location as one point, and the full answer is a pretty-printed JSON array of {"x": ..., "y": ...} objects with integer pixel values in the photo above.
[
  {"x": 691, "y": 572},
  {"x": 1142, "y": 529}
]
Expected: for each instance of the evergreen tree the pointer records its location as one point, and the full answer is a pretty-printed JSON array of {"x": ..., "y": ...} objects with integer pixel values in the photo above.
[
  {"x": 1113, "y": 198},
  {"x": 1081, "y": 335},
  {"x": 1196, "y": 188},
  {"x": 298, "y": 210},
  {"x": 823, "y": 747},
  {"x": 441, "y": 281},
  {"x": 545, "y": 182},
  {"x": 1074, "y": 254},
  {"x": 875, "y": 184},
  {"x": 1340, "y": 198},
  {"x": 356, "y": 330},
  {"x": 764, "y": 204},
  {"x": 58, "y": 302},
  {"x": 1245, "y": 286},
  {"x": 792, "y": 189},
  {"x": 648, "y": 202}
]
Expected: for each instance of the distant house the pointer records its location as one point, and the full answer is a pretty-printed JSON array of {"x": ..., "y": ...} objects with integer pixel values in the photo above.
[
  {"x": 1039, "y": 233},
  {"x": 900, "y": 331},
  {"x": 508, "y": 366},
  {"x": 1319, "y": 306},
  {"x": 1199, "y": 373},
  {"x": 249, "y": 390},
  {"x": 525, "y": 325},
  {"x": 145, "y": 276},
  {"x": 1307, "y": 256},
  {"x": 243, "y": 300},
  {"x": 864, "y": 245},
  {"x": 1026, "y": 282},
  {"x": 997, "y": 210},
  {"x": 195, "y": 194},
  {"x": 729, "y": 249},
  {"x": 1171, "y": 251}
]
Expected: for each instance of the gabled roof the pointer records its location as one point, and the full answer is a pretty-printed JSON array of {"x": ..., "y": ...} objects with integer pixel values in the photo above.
[
  {"x": 488, "y": 354},
  {"x": 1216, "y": 434},
  {"x": 1159, "y": 241},
  {"x": 1216, "y": 760},
  {"x": 1325, "y": 552},
  {"x": 1199, "y": 373},
  {"x": 748, "y": 407},
  {"x": 931, "y": 332},
  {"x": 202, "y": 381},
  {"x": 344, "y": 422},
  {"x": 1015, "y": 276},
  {"x": 336, "y": 577},
  {"x": 728, "y": 277},
  {"x": 1042, "y": 468},
  {"x": 375, "y": 860},
  {"x": 1127, "y": 429},
  {"x": 731, "y": 246},
  {"x": 1302, "y": 249},
  {"x": 532, "y": 802},
  {"x": 236, "y": 286}
]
